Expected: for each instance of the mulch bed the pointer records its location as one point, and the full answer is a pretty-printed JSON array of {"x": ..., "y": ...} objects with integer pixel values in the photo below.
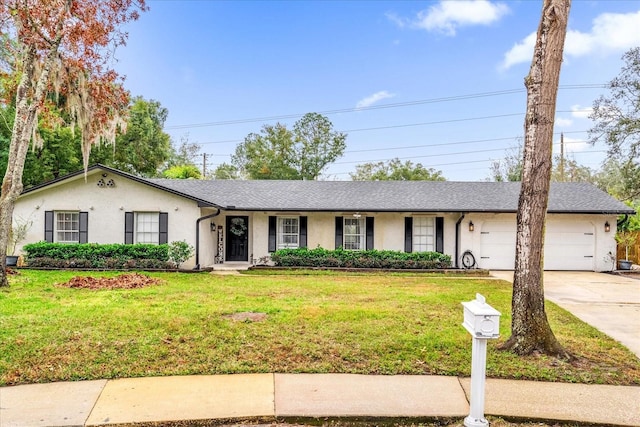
[{"x": 123, "y": 281}]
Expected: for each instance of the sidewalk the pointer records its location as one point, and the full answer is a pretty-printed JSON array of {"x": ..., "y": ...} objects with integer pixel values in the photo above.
[{"x": 271, "y": 397}]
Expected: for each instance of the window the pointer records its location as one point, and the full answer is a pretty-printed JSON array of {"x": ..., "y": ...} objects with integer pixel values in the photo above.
[
  {"x": 288, "y": 232},
  {"x": 424, "y": 231},
  {"x": 147, "y": 227},
  {"x": 67, "y": 227},
  {"x": 354, "y": 234}
]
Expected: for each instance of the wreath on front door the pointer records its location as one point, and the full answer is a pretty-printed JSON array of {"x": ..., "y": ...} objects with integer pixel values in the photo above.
[{"x": 238, "y": 227}]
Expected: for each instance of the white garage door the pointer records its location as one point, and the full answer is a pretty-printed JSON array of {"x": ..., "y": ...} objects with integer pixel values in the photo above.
[{"x": 568, "y": 245}]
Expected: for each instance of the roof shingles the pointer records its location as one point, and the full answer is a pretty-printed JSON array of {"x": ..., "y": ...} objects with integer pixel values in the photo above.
[{"x": 398, "y": 196}]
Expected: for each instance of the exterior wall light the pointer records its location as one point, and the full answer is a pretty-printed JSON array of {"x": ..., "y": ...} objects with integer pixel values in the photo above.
[
  {"x": 357, "y": 215},
  {"x": 471, "y": 226},
  {"x": 607, "y": 227}
]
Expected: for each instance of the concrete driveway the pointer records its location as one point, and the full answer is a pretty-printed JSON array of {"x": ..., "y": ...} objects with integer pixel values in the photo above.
[{"x": 608, "y": 302}]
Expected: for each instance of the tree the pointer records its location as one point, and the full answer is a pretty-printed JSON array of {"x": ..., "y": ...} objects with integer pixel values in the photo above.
[
  {"x": 59, "y": 154},
  {"x": 60, "y": 47},
  {"x": 316, "y": 145},
  {"x": 509, "y": 168},
  {"x": 279, "y": 153},
  {"x": 183, "y": 172},
  {"x": 267, "y": 155},
  {"x": 617, "y": 121},
  {"x": 395, "y": 170},
  {"x": 569, "y": 170},
  {"x": 185, "y": 154},
  {"x": 530, "y": 329},
  {"x": 144, "y": 148},
  {"x": 620, "y": 178},
  {"x": 227, "y": 171}
]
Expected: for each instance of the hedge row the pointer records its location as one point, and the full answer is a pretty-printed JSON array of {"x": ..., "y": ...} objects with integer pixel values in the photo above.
[
  {"x": 320, "y": 257},
  {"x": 106, "y": 263},
  {"x": 93, "y": 255}
]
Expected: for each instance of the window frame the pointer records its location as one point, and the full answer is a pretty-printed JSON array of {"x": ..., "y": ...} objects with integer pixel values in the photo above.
[
  {"x": 155, "y": 225},
  {"x": 73, "y": 231},
  {"x": 361, "y": 235},
  {"x": 429, "y": 244},
  {"x": 281, "y": 234}
]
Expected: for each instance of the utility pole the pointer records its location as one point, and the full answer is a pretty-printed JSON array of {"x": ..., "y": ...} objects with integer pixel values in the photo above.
[
  {"x": 204, "y": 165},
  {"x": 562, "y": 157}
]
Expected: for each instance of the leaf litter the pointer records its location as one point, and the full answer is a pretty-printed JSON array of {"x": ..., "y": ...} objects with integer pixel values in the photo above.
[{"x": 123, "y": 281}]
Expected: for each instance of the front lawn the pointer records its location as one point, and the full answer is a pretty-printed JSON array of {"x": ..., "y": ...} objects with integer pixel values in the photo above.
[{"x": 349, "y": 323}]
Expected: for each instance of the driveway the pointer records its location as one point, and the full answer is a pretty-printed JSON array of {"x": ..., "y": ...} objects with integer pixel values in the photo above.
[{"x": 608, "y": 302}]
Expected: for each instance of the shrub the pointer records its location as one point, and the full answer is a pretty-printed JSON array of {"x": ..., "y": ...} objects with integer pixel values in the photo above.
[
  {"x": 93, "y": 255},
  {"x": 179, "y": 252},
  {"x": 320, "y": 257}
]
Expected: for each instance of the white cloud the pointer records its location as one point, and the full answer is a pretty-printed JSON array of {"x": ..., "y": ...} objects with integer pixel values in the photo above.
[
  {"x": 447, "y": 16},
  {"x": 372, "y": 99},
  {"x": 520, "y": 52},
  {"x": 562, "y": 122},
  {"x": 610, "y": 33},
  {"x": 580, "y": 112},
  {"x": 400, "y": 22},
  {"x": 572, "y": 145}
]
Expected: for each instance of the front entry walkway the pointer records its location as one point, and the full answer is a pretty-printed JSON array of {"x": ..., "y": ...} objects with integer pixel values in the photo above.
[{"x": 608, "y": 302}]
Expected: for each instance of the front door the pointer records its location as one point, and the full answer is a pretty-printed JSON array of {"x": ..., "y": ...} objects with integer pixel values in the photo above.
[{"x": 237, "y": 238}]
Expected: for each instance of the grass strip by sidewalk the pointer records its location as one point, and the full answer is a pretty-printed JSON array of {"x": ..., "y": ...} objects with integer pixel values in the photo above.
[{"x": 344, "y": 323}]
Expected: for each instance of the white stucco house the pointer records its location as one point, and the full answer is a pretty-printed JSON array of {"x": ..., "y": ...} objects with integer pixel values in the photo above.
[{"x": 243, "y": 221}]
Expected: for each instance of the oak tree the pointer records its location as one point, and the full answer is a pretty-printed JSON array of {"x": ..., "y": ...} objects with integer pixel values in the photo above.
[
  {"x": 279, "y": 153},
  {"x": 145, "y": 147},
  {"x": 617, "y": 123},
  {"x": 60, "y": 47},
  {"x": 395, "y": 170},
  {"x": 530, "y": 329}
]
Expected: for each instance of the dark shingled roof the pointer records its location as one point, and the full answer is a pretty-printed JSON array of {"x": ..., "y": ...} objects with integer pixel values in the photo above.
[
  {"x": 388, "y": 196},
  {"x": 372, "y": 196}
]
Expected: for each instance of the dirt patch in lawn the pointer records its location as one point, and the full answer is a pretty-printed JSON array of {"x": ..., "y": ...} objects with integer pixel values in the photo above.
[
  {"x": 123, "y": 281},
  {"x": 246, "y": 316}
]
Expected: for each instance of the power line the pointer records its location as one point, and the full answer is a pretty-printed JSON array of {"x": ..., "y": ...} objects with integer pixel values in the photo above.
[
  {"x": 442, "y": 144},
  {"x": 406, "y": 125},
  {"x": 376, "y": 107}
]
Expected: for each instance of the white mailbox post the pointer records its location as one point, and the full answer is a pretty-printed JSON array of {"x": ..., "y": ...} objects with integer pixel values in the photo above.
[{"x": 483, "y": 323}]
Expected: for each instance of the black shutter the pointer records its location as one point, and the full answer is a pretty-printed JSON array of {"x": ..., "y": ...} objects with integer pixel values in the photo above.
[
  {"x": 164, "y": 228},
  {"x": 272, "y": 233},
  {"x": 128, "y": 228},
  {"x": 339, "y": 226},
  {"x": 84, "y": 226},
  {"x": 408, "y": 234},
  {"x": 48, "y": 226},
  {"x": 369, "y": 242},
  {"x": 440, "y": 234},
  {"x": 303, "y": 232}
]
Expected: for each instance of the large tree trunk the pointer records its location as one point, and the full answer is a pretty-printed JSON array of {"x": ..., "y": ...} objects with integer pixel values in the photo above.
[
  {"x": 29, "y": 96},
  {"x": 530, "y": 330}
]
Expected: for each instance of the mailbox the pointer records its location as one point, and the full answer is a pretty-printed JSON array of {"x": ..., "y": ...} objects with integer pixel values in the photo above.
[{"x": 480, "y": 319}]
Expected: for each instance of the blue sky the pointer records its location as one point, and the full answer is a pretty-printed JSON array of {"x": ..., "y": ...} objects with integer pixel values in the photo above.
[{"x": 435, "y": 82}]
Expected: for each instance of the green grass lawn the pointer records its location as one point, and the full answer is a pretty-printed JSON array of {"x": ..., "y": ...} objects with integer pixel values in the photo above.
[{"x": 349, "y": 323}]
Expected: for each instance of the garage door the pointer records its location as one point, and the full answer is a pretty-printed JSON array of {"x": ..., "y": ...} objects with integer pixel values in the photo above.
[{"x": 568, "y": 245}]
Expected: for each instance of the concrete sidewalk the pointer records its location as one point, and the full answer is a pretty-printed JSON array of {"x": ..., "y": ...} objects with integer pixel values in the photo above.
[{"x": 271, "y": 397}]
